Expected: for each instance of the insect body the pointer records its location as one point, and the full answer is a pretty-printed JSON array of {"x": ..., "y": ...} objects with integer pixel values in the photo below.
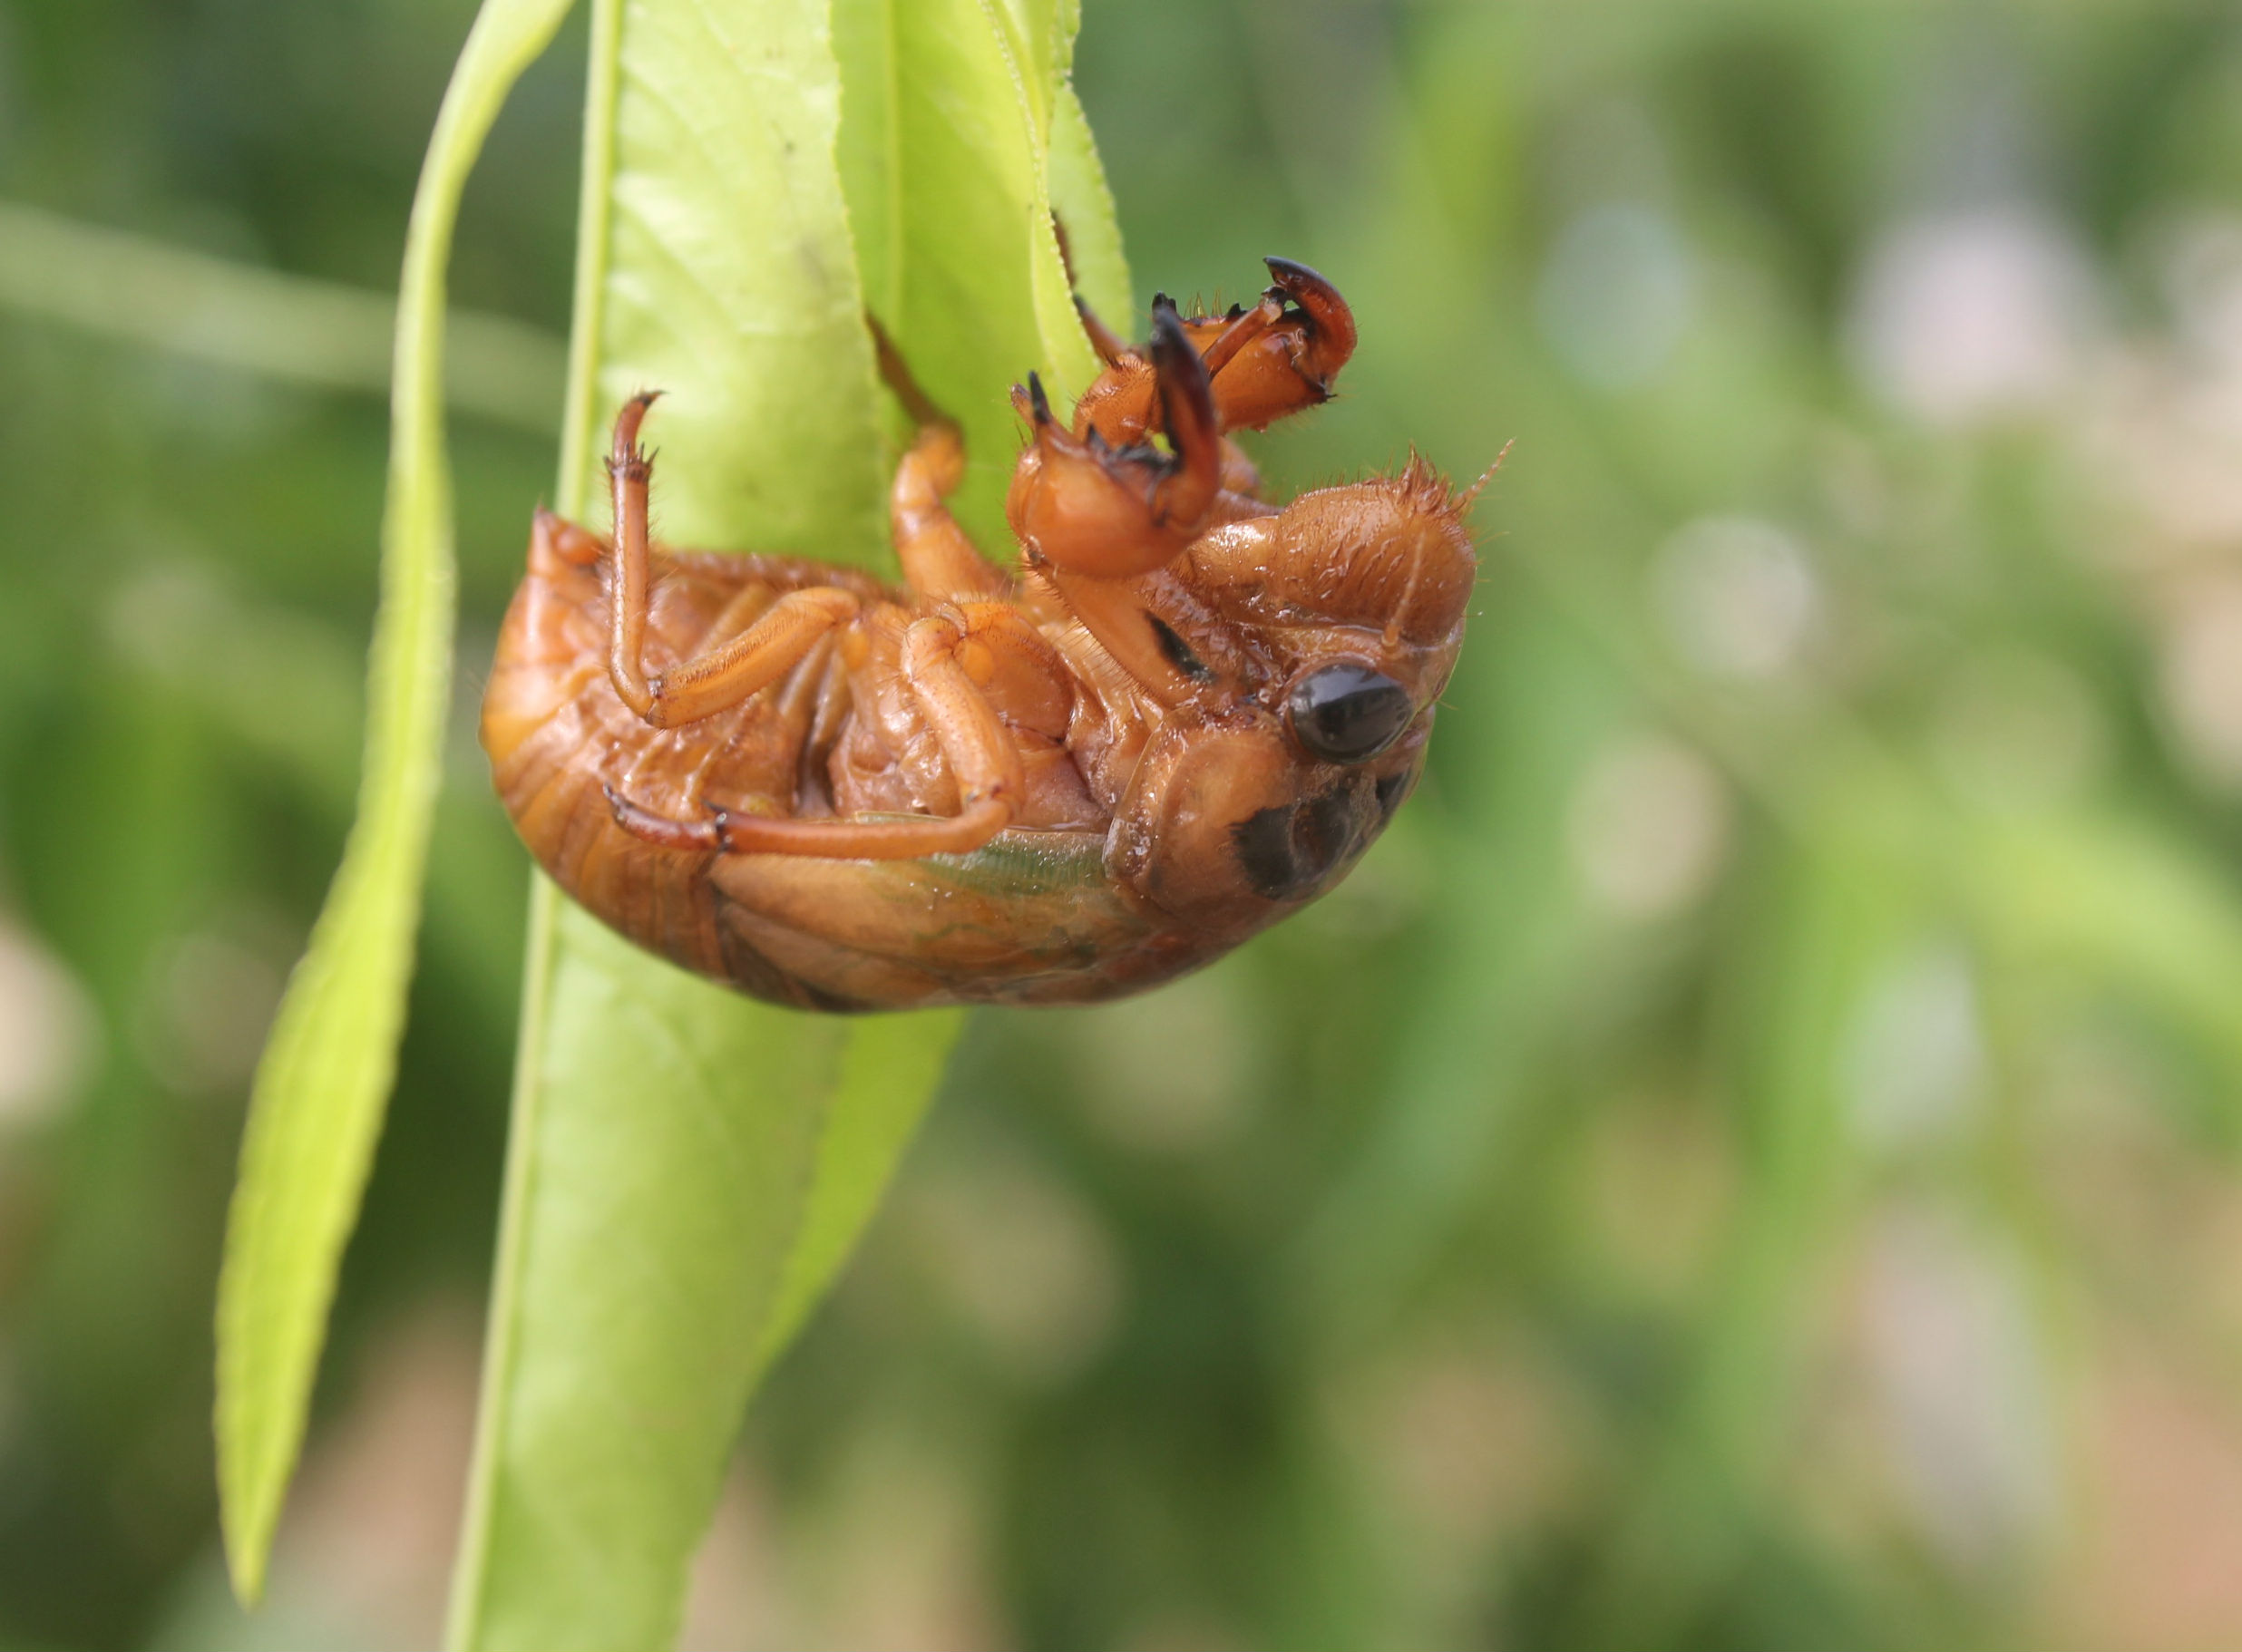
[{"x": 1186, "y": 714}]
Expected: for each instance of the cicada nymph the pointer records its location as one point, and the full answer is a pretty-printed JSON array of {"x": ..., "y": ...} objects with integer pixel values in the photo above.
[{"x": 1183, "y": 716}]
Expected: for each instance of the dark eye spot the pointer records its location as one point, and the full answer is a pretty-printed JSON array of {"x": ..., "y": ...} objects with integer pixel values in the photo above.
[
  {"x": 1348, "y": 712},
  {"x": 1289, "y": 850},
  {"x": 1264, "y": 843},
  {"x": 1178, "y": 651},
  {"x": 1391, "y": 790}
]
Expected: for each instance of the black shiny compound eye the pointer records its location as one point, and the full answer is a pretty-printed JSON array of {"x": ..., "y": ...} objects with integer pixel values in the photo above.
[{"x": 1348, "y": 712}]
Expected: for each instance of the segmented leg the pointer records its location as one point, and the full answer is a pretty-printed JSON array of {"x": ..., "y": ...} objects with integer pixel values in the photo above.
[
  {"x": 981, "y": 754},
  {"x": 1015, "y": 667},
  {"x": 1274, "y": 359},
  {"x": 1113, "y": 612},
  {"x": 1083, "y": 505},
  {"x": 758, "y": 656},
  {"x": 939, "y": 559}
]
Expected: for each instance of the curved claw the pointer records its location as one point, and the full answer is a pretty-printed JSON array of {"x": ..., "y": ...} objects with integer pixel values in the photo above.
[
  {"x": 1330, "y": 338},
  {"x": 626, "y": 457},
  {"x": 1111, "y": 347},
  {"x": 1091, "y": 507},
  {"x": 1187, "y": 413},
  {"x": 1273, "y": 359},
  {"x": 1276, "y": 360}
]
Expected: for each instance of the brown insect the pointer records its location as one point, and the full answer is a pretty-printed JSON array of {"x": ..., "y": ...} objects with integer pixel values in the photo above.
[{"x": 1185, "y": 716}]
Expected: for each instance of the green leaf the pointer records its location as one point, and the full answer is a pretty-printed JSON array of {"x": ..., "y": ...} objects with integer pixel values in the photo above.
[
  {"x": 317, "y": 1106},
  {"x": 688, "y": 1167},
  {"x": 1084, "y": 202},
  {"x": 946, "y": 161}
]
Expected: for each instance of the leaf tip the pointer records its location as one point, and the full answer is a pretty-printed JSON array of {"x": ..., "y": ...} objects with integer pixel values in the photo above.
[{"x": 248, "y": 1540}]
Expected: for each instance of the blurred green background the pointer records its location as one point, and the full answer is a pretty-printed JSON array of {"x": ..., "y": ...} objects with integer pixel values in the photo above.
[{"x": 1747, "y": 1163}]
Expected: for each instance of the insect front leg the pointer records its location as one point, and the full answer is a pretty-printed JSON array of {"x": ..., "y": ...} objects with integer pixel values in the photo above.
[
  {"x": 1084, "y": 505},
  {"x": 1272, "y": 360},
  {"x": 778, "y": 640}
]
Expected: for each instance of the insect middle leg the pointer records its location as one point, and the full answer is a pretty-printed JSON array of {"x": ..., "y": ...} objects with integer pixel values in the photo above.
[
  {"x": 939, "y": 559},
  {"x": 973, "y": 739},
  {"x": 778, "y": 640}
]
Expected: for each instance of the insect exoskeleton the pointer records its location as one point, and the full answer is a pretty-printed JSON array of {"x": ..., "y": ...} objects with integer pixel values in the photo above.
[{"x": 1185, "y": 714}]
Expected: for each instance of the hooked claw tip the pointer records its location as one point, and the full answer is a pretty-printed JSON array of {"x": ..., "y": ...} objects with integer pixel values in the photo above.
[
  {"x": 1330, "y": 324},
  {"x": 1039, "y": 402},
  {"x": 625, "y": 453},
  {"x": 1304, "y": 287},
  {"x": 1168, "y": 335}
]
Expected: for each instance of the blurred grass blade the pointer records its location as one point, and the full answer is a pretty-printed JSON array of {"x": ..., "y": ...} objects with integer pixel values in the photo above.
[
  {"x": 317, "y": 1107},
  {"x": 322, "y": 333},
  {"x": 2132, "y": 914},
  {"x": 688, "y": 1167},
  {"x": 1829, "y": 915}
]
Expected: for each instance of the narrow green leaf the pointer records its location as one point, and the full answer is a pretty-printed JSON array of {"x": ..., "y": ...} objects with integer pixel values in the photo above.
[
  {"x": 317, "y": 1106},
  {"x": 1084, "y": 202},
  {"x": 687, "y": 1168},
  {"x": 946, "y": 162},
  {"x": 659, "y": 1176},
  {"x": 1829, "y": 915}
]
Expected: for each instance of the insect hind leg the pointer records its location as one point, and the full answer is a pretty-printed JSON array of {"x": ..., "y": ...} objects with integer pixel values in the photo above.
[
  {"x": 974, "y": 743},
  {"x": 727, "y": 833},
  {"x": 741, "y": 665}
]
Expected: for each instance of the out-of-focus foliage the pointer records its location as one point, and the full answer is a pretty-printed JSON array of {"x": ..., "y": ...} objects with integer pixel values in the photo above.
[
  {"x": 1749, "y": 1162},
  {"x": 322, "y": 1085}
]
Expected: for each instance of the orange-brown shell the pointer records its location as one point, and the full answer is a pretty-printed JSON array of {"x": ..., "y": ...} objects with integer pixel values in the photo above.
[
  {"x": 1186, "y": 710},
  {"x": 1184, "y": 827},
  {"x": 1031, "y": 919}
]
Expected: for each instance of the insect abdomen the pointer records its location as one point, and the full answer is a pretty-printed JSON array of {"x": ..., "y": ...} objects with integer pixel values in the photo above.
[{"x": 558, "y": 735}]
